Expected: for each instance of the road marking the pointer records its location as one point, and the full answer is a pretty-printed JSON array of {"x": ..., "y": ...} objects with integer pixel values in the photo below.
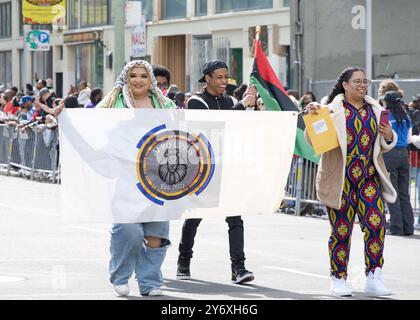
[{"x": 299, "y": 272}]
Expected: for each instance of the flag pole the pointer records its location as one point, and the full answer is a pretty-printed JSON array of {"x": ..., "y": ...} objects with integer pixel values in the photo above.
[{"x": 257, "y": 33}]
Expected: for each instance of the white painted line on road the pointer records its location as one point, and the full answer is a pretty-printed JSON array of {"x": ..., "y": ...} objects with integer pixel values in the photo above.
[
  {"x": 92, "y": 229},
  {"x": 299, "y": 272}
]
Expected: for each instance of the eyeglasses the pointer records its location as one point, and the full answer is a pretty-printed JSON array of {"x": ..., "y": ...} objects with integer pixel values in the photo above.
[
  {"x": 364, "y": 82},
  {"x": 162, "y": 86}
]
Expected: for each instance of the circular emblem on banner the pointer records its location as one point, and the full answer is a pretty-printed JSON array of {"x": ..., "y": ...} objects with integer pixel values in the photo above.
[{"x": 172, "y": 164}]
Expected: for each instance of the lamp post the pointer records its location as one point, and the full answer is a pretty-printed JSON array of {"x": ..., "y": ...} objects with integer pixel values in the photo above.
[
  {"x": 369, "y": 42},
  {"x": 119, "y": 35}
]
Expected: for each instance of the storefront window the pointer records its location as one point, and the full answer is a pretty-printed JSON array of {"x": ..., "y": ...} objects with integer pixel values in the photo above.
[
  {"x": 6, "y": 69},
  {"x": 223, "y": 6},
  {"x": 89, "y": 64},
  {"x": 5, "y": 19},
  {"x": 42, "y": 64},
  {"x": 172, "y": 9}
]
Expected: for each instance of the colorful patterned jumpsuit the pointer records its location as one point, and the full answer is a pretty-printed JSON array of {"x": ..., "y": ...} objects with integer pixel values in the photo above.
[{"x": 361, "y": 195}]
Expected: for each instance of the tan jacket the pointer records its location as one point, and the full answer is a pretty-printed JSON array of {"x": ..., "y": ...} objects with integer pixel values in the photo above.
[{"x": 331, "y": 168}]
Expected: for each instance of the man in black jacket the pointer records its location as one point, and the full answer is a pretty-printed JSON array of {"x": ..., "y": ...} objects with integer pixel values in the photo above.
[{"x": 215, "y": 74}]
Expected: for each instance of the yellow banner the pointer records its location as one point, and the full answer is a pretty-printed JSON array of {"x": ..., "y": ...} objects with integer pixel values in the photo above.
[{"x": 44, "y": 12}]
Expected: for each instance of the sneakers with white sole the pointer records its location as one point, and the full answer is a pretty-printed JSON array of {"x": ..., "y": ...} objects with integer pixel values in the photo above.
[
  {"x": 153, "y": 293},
  {"x": 339, "y": 288},
  {"x": 242, "y": 276},
  {"x": 122, "y": 290},
  {"x": 375, "y": 284}
]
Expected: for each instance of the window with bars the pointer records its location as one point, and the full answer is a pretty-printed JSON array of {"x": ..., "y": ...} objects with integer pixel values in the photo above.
[
  {"x": 223, "y": 6},
  {"x": 5, "y": 19}
]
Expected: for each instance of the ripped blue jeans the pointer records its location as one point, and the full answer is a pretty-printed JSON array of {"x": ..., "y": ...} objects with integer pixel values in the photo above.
[{"x": 129, "y": 254}]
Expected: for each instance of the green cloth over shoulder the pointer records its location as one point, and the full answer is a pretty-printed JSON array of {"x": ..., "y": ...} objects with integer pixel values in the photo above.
[{"x": 119, "y": 103}]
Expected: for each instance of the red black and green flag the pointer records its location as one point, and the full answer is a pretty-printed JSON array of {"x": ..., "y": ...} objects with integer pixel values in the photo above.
[{"x": 276, "y": 99}]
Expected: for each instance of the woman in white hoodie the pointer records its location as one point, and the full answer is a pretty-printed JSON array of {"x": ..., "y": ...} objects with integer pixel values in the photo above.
[{"x": 352, "y": 179}]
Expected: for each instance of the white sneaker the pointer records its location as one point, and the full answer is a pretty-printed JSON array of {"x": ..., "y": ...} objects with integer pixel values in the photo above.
[
  {"x": 122, "y": 290},
  {"x": 154, "y": 293},
  {"x": 375, "y": 284},
  {"x": 339, "y": 288}
]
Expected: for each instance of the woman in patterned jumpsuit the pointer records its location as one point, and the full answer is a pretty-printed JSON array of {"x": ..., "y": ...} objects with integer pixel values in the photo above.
[{"x": 362, "y": 140}]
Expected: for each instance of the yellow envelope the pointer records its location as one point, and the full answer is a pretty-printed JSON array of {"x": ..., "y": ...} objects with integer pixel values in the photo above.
[{"x": 321, "y": 131}]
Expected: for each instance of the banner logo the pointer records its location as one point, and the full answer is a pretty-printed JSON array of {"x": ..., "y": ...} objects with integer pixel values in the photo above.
[{"x": 172, "y": 164}]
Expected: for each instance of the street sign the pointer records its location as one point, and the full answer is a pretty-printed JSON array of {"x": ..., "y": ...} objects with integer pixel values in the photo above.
[
  {"x": 133, "y": 13},
  {"x": 38, "y": 40},
  {"x": 138, "y": 39}
]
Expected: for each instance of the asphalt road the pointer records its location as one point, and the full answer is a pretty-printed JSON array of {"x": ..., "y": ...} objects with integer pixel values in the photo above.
[{"x": 43, "y": 258}]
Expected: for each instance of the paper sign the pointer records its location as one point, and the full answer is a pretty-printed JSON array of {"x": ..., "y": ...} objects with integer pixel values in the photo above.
[{"x": 321, "y": 131}]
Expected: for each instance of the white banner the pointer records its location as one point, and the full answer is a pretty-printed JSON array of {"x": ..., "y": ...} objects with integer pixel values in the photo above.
[{"x": 127, "y": 166}]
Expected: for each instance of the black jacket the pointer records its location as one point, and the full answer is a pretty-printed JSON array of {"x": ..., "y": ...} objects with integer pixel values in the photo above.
[{"x": 204, "y": 100}]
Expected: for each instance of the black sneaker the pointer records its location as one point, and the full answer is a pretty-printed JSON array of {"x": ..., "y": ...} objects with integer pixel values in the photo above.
[
  {"x": 242, "y": 276},
  {"x": 183, "y": 270}
]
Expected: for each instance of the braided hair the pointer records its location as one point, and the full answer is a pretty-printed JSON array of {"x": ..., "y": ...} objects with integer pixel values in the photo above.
[{"x": 344, "y": 76}]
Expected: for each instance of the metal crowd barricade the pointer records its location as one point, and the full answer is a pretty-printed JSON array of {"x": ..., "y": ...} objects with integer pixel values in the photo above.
[
  {"x": 300, "y": 187},
  {"x": 414, "y": 184},
  {"x": 301, "y": 184},
  {"x": 32, "y": 153}
]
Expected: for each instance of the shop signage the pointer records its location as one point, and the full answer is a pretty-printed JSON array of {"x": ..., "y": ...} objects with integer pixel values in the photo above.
[
  {"x": 138, "y": 39},
  {"x": 44, "y": 12},
  {"x": 81, "y": 37}
]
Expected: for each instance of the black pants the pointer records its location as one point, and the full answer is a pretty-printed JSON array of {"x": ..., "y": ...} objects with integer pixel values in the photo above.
[
  {"x": 236, "y": 238},
  {"x": 402, "y": 218}
]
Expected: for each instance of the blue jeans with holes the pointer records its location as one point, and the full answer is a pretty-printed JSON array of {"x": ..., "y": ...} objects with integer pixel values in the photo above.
[{"x": 129, "y": 254}]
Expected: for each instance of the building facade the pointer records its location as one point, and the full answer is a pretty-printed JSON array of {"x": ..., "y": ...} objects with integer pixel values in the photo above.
[
  {"x": 328, "y": 36},
  {"x": 181, "y": 34}
]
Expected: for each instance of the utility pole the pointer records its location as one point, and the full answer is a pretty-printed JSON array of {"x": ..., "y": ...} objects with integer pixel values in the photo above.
[
  {"x": 369, "y": 42},
  {"x": 118, "y": 12}
]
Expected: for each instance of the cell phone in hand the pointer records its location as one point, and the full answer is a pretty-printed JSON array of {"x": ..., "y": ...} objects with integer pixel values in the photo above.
[{"x": 384, "y": 120}]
